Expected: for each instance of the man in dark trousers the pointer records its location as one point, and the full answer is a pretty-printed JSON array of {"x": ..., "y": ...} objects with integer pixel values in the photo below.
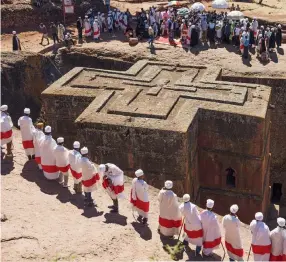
[
  {"x": 16, "y": 42},
  {"x": 79, "y": 25},
  {"x": 54, "y": 32}
]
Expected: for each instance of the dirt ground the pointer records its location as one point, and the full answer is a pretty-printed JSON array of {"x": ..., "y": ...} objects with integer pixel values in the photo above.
[{"x": 46, "y": 222}]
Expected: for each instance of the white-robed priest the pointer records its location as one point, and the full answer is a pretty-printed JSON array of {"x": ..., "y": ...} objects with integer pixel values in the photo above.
[
  {"x": 27, "y": 128},
  {"x": 233, "y": 243},
  {"x": 211, "y": 229},
  {"x": 90, "y": 177},
  {"x": 261, "y": 243},
  {"x": 193, "y": 225},
  {"x": 113, "y": 183},
  {"x": 170, "y": 218},
  {"x": 139, "y": 196}
]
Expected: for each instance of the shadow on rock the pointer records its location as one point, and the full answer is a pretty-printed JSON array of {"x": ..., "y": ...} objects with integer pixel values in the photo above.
[
  {"x": 31, "y": 173},
  {"x": 91, "y": 212},
  {"x": 115, "y": 218},
  {"x": 143, "y": 230},
  {"x": 7, "y": 164}
]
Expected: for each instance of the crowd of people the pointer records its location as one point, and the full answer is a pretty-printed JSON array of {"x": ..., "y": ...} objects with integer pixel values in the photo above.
[{"x": 201, "y": 229}]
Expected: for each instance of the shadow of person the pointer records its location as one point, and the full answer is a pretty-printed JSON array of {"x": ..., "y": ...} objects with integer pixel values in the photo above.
[
  {"x": 91, "y": 212},
  {"x": 64, "y": 195},
  {"x": 246, "y": 61},
  {"x": 115, "y": 218},
  {"x": 143, "y": 230},
  {"x": 7, "y": 164},
  {"x": 213, "y": 257},
  {"x": 273, "y": 57},
  {"x": 31, "y": 173},
  {"x": 280, "y": 51}
]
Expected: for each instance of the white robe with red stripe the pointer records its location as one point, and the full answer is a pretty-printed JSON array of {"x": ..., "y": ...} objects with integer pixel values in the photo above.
[
  {"x": 27, "y": 128},
  {"x": 87, "y": 27},
  {"x": 62, "y": 159},
  {"x": 261, "y": 243},
  {"x": 193, "y": 225},
  {"x": 38, "y": 136},
  {"x": 170, "y": 218},
  {"x": 189, "y": 35},
  {"x": 116, "y": 175},
  {"x": 75, "y": 165},
  {"x": 139, "y": 197},
  {"x": 48, "y": 160},
  {"x": 284, "y": 249},
  {"x": 96, "y": 30},
  {"x": 278, "y": 238},
  {"x": 233, "y": 244},
  {"x": 212, "y": 234},
  {"x": 6, "y": 129},
  {"x": 90, "y": 176}
]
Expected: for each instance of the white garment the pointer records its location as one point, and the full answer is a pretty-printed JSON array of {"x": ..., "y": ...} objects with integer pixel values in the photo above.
[
  {"x": 231, "y": 225},
  {"x": 255, "y": 25},
  {"x": 38, "y": 136},
  {"x": 278, "y": 238},
  {"x": 212, "y": 234},
  {"x": 75, "y": 165},
  {"x": 27, "y": 128},
  {"x": 62, "y": 159},
  {"x": 96, "y": 30},
  {"x": 193, "y": 224},
  {"x": 116, "y": 175},
  {"x": 90, "y": 176},
  {"x": 61, "y": 30},
  {"x": 87, "y": 27},
  {"x": 139, "y": 197},
  {"x": 170, "y": 219},
  {"x": 123, "y": 22},
  {"x": 48, "y": 160},
  {"x": 260, "y": 240},
  {"x": 110, "y": 22},
  {"x": 6, "y": 129}
]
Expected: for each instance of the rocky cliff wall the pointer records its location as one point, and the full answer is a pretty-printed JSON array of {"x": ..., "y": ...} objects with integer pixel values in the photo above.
[{"x": 24, "y": 76}]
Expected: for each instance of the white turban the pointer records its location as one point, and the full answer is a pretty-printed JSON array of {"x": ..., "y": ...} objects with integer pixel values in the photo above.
[
  {"x": 102, "y": 168},
  {"x": 234, "y": 209},
  {"x": 259, "y": 216},
  {"x": 186, "y": 197},
  {"x": 168, "y": 184},
  {"x": 281, "y": 221},
  {"x": 139, "y": 173},
  {"x": 210, "y": 203},
  {"x": 84, "y": 151},
  {"x": 48, "y": 129},
  {"x": 4, "y": 108},
  {"x": 14, "y": 32},
  {"x": 60, "y": 140},
  {"x": 279, "y": 26},
  {"x": 76, "y": 144},
  {"x": 27, "y": 111}
]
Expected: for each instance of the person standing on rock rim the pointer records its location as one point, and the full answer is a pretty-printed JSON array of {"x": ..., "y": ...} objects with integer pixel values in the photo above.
[
  {"x": 170, "y": 219},
  {"x": 110, "y": 22},
  {"x": 16, "y": 42},
  {"x": 75, "y": 167},
  {"x": 48, "y": 160},
  {"x": 261, "y": 243},
  {"x": 193, "y": 225},
  {"x": 6, "y": 129},
  {"x": 38, "y": 136},
  {"x": 212, "y": 234},
  {"x": 96, "y": 29},
  {"x": 79, "y": 26},
  {"x": 139, "y": 196},
  {"x": 62, "y": 161},
  {"x": 90, "y": 177},
  {"x": 278, "y": 240},
  {"x": 27, "y": 128},
  {"x": 113, "y": 183},
  {"x": 87, "y": 27},
  {"x": 61, "y": 31},
  {"x": 44, "y": 31},
  {"x": 233, "y": 244},
  {"x": 278, "y": 38}
]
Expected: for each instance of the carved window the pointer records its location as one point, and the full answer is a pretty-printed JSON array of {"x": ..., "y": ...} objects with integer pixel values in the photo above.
[{"x": 230, "y": 177}]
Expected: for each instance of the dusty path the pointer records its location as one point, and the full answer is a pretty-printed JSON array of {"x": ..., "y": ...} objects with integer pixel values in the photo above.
[{"x": 47, "y": 222}]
